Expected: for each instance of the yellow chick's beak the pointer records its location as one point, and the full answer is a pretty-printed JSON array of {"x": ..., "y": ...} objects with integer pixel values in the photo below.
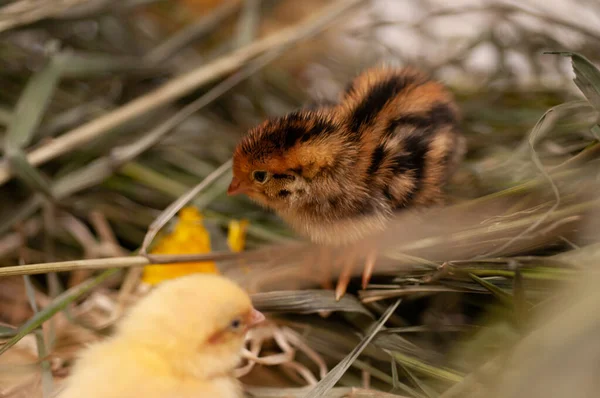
[{"x": 256, "y": 317}]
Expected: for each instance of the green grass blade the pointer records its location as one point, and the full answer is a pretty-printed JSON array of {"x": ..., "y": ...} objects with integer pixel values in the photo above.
[
  {"x": 424, "y": 387},
  {"x": 587, "y": 77},
  {"x": 398, "y": 385},
  {"x": 28, "y": 114},
  {"x": 7, "y": 331},
  {"x": 85, "y": 65},
  {"x": 500, "y": 294},
  {"x": 29, "y": 174},
  {"x": 426, "y": 369},
  {"x": 42, "y": 348},
  {"x": 32, "y": 105}
]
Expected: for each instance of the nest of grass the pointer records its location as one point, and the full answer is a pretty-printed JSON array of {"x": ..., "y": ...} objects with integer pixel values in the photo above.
[{"x": 116, "y": 115}]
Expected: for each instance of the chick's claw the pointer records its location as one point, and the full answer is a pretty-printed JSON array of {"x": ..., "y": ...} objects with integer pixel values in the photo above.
[
  {"x": 346, "y": 273},
  {"x": 369, "y": 267},
  {"x": 344, "y": 279}
]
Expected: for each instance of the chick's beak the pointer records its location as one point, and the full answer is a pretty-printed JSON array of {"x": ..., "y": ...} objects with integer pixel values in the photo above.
[
  {"x": 236, "y": 187},
  {"x": 256, "y": 317}
]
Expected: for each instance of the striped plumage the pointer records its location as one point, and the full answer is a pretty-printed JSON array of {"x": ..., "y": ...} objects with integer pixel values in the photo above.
[{"x": 338, "y": 172}]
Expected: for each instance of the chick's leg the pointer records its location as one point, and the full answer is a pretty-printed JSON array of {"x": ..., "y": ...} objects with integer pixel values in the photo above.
[
  {"x": 346, "y": 273},
  {"x": 369, "y": 267},
  {"x": 344, "y": 278}
]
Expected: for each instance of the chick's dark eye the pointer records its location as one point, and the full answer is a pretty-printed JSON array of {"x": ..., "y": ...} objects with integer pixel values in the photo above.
[
  {"x": 260, "y": 176},
  {"x": 235, "y": 324}
]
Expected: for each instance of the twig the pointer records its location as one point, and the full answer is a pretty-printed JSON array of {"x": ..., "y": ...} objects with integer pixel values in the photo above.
[
  {"x": 120, "y": 262},
  {"x": 180, "y": 86},
  {"x": 100, "y": 263}
]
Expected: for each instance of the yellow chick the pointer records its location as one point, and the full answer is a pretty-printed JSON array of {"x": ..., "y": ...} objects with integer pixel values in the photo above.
[{"x": 183, "y": 340}]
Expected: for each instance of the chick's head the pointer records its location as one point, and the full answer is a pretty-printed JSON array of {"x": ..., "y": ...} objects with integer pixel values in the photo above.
[
  {"x": 279, "y": 162},
  {"x": 196, "y": 324}
]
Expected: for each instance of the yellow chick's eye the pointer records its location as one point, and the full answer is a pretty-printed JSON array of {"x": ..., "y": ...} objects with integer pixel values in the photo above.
[
  {"x": 235, "y": 325},
  {"x": 260, "y": 176}
]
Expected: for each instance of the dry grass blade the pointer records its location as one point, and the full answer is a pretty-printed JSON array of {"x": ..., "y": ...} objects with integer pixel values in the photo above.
[
  {"x": 338, "y": 371},
  {"x": 182, "y": 85},
  {"x": 127, "y": 262},
  {"x": 306, "y": 301},
  {"x": 369, "y": 296},
  {"x": 248, "y": 22},
  {"x": 102, "y": 263}
]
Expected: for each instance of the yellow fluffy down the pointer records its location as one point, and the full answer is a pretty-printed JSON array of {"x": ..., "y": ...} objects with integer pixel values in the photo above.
[{"x": 183, "y": 340}]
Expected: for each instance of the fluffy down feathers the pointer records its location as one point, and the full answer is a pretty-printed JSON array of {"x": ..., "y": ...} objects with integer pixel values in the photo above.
[{"x": 181, "y": 341}]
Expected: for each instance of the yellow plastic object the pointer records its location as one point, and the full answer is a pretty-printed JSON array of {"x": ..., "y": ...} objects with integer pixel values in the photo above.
[
  {"x": 188, "y": 237},
  {"x": 236, "y": 237}
]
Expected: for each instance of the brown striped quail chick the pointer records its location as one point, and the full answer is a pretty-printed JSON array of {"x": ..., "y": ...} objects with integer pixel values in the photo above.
[{"x": 338, "y": 173}]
